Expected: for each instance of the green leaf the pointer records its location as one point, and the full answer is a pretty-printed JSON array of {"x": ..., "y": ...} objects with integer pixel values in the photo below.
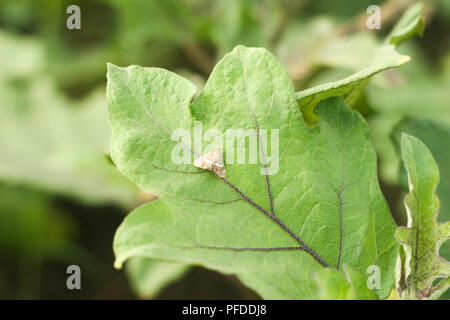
[
  {"x": 59, "y": 146},
  {"x": 400, "y": 98},
  {"x": 143, "y": 20},
  {"x": 349, "y": 52},
  {"x": 19, "y": 56},
  {"x": 33, "y": 231},
  {"x": 149, "y": 276},
  {"x": 384, "y": 57},
  {"x": 50, "y": 142},
  {"x": 243, "y": 25},
  {"x": 321, "y": 204},
  {"x": 346, "y": 284},
  {"x": 420, "y": 264},
  {"x": 350, "y": 87},
  {"x": 432, "y": 133},
  {"x": 33, "y": 228}
]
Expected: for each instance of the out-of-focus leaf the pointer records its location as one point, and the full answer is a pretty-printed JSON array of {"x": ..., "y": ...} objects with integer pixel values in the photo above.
[
  {"x": 32, "y": 229},
  {"x": 19, "y": 56},
  {"x": 297, "y": 48},
  {"x": 250, "y": 23},
  {"x": 419, "y": 264},
  {"x": 410, "y": 24},
  {"x": 152, "y": 20},
  {"x": 346, "y": 9},
  {"x": 350, "y": 52},
  {"x": 50, "y": 142},
  {"x": 399, "y": 101},
  {"x": 384, "y": 57},
  {"x": 149, "y": 276},
  {"x": 58, "y": 146},
  {"x": 29, "y": 224},
  {"x": 419, "y": 93},
  {"x": 349, "y": 88}
]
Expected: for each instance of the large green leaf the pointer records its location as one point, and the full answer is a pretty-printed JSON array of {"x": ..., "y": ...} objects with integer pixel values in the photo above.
[
  {"x": 419, "y": 263},
  {"x": 321, "y": 207},
  {"x": 384, "y": 57}
]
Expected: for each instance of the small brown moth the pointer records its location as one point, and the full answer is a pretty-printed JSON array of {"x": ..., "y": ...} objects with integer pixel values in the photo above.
[{"x": 212, "y": 161}]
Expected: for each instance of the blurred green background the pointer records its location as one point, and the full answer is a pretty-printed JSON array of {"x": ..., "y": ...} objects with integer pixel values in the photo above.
[{"x": 61, "y": 198}]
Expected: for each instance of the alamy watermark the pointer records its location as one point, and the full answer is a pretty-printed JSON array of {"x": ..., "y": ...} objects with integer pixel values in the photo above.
[
  {"x": 240, "y": 146},
  {"x": 74, "y": 20},
  {"x": 374, "y": 279},
  {"x": 74, "y": 280},
  {"x": 374, "y": 20}
]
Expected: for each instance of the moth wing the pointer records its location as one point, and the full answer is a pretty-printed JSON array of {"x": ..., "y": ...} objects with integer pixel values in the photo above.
[
  {"x": 218, "y": 165},
  {"x": 218, "y": 157},
  {"x": 212, "y": 161},
  {"x": 202, "y": 163},
  {"x": 220, "y": 171}
]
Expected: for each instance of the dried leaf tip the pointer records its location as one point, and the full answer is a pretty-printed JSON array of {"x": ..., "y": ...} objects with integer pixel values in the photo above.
[{"x": 212, "y": 161}]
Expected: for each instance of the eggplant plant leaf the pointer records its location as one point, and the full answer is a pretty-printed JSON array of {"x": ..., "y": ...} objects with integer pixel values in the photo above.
[
  {"x": 419, "y": 265},
  {"x": 432, "y": 133},
  {"x": 385, "y": 57},
  {"x": 314, "y": 202}
]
